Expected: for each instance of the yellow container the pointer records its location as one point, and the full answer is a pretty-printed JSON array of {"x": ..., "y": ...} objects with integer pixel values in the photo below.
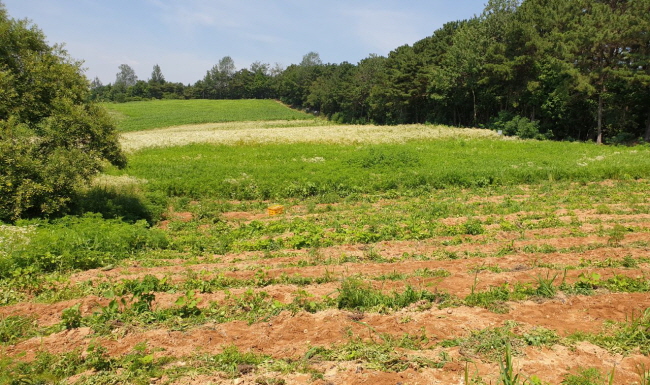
[{"x": 276, "y": 210}]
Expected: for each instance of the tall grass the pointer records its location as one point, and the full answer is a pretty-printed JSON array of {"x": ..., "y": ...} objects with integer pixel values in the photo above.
[
  {"x": 135, "y": 116},
  {"x": 257, "y": 171}
]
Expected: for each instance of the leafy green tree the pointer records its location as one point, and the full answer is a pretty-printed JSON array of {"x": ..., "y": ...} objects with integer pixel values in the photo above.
[
  {"x": 96, "y": 83},
  {"x": 126, "y": 77},
  {"x": 330, "y": 92},
  {"x": 603, "y": 38},
  {"x": 445, "y": 108},
  {"x": 405, "y": 92},
  {"x": 311, "y": 59},
  {"x": 156, "y": 75},
  {"x": 369, "y": 77},
  {"x": 295, "y": 81},
  {"x": 260, "y": 86},
  {"x": 51, "y": 139},
  {"x": 155, "y": 83},
  {"x": 216, "y": 82}
]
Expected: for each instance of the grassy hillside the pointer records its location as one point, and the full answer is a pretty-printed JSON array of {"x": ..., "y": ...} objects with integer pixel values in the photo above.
[{"x": 137, "y": 116}]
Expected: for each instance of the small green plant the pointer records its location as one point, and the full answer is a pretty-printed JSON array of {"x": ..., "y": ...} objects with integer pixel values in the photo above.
[
  {"x": 589, "y": 376},
  {"x": 616, "y": 235},
  {"x": 235, "y": 363},
  {"x": 545, "y": 286},
  {"x": 473, "y": 227},
  {"x": 14, "y": 328},
  {"x": 306, "y": 301},
  {"x": 269, "y": 381},
  {"x": 249, "y": 306},
  {"x": 97, "y": 358},
  {"x": 644, "y": 374},
  {"x": 492, "y": 343},
  {"x": 187, "y": 305},
  {"x": 380, "y": 355},
  {"x": 71, "y": 317},
  {"x": 142, "y": 302},
  {"x": 471, "y": 379},
  {"x": 587, "y": 283},
  {"x": 357, "y": 295},
  {"x": 629, "y": 262},
  {"x": 540, "y": 336},
  {"x": 506, "y": 370},
  {"x": 494, "y": 299},
  {"x": 431, "y": 273},
  {"x": 140, "y": 361},
  {"x": 103, "y": 321}
]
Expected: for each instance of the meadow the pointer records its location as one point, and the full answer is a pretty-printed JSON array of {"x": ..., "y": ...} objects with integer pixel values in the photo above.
[
  {"x": 298, "y": 170},
  {"x": 408, "y": 254}
]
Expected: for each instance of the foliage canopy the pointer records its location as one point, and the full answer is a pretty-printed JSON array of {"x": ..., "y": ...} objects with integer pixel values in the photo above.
[{"x": 51, "y": 139}]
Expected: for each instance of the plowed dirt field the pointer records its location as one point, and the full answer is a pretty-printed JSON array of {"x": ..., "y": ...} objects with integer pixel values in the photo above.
[{"x": 564, "y": 287}]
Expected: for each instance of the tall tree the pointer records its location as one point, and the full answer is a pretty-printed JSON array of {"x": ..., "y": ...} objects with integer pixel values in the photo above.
[
  {"x": 96, "y": 83},
  {"x": 227, "y": 67},
  {"x": 311, "y": 59},
  {"x": 157, "y": 76},
  {"x": 294, "y": 82},
  {"x": 464, "y": 64},
  {"x": 260, "y": 87},
  {"x": 126, "y": 77}
]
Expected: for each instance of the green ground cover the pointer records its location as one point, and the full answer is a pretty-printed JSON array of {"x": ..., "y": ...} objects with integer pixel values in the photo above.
[
  {"x": 302, "y": 170},
  {"x": 135, "y": 116}
]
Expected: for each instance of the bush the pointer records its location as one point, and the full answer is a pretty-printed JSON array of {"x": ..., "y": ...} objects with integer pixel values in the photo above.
[
  {"x": 623, "y": 138},
  {"x": 515, "y": 125},
  {"x": 51, "y": 139}
]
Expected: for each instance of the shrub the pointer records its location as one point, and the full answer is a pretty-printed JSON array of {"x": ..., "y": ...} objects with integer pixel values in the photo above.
[
  {"x": 51, "y": 139},
  {"x": 515, "y": 125}
]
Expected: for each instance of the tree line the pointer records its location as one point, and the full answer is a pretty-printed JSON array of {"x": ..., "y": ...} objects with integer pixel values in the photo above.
[{"x": 562, "y": 69}]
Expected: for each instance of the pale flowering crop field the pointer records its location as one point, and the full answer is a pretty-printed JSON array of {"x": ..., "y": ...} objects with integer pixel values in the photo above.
[{"x": 297, "y": 131}]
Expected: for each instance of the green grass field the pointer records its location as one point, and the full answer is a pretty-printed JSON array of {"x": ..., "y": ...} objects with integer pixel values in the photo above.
[
  {"x": 306, "y": 169},
  {"x": 135, "y": 116}
]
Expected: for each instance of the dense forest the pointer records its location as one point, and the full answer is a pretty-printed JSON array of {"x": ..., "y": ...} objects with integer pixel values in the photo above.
[{"x": 561, "y": 69}]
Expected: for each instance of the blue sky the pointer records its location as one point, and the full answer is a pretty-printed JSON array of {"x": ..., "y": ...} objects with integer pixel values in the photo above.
[{"x": 187, "y": 37}]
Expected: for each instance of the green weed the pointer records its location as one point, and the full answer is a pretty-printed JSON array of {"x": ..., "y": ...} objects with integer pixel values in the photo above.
[
  {"x": 589, "y": 376},
  {"x": 14, "y": 328},
  {"x": 379, "y": 355},
  {"x": 545, "y": 286},
  {"x": 241, "y": 172},
  {"x": 492, "y": 343},
  {"x": 235, "y": 363},
  {"x": 71, "y": 317},
  {"x": 355, "y": 294}
]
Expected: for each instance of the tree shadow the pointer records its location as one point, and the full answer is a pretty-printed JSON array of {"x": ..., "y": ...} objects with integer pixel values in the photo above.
[{"x": 130, "y": 206}]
